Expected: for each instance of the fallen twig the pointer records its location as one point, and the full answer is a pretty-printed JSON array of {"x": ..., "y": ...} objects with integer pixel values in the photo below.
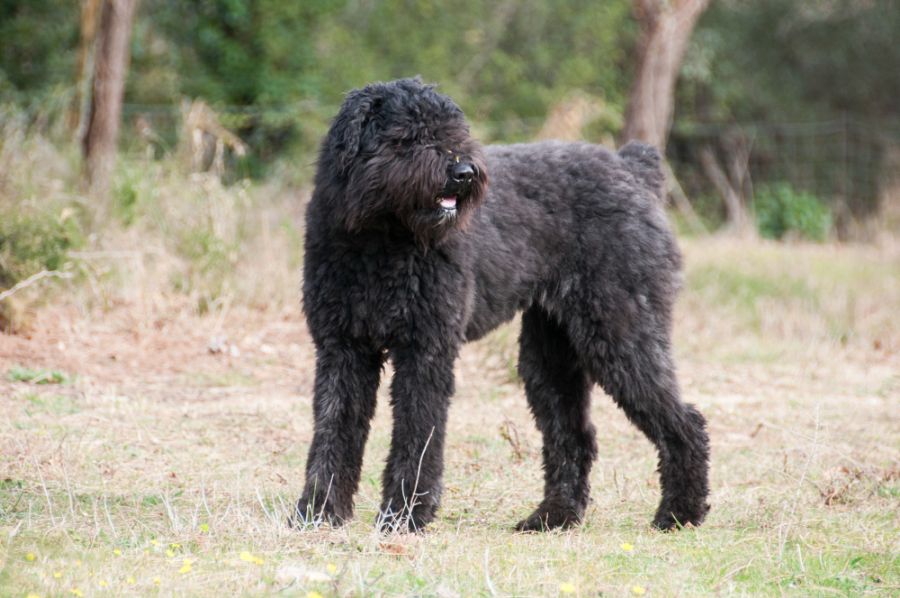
[{"x": 32, "y": 280}]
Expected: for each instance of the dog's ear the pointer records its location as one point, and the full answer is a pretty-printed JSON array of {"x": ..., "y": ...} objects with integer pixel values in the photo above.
[{"x": 347, "y": 129}]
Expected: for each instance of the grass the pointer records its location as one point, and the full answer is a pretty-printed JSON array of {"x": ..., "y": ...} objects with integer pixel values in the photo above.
[
  {"x": 37, "y": 376},
  {"x": 162, "y": 467}
]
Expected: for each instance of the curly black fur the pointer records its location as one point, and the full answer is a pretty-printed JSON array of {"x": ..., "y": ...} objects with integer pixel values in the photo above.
[{"x": 409, "y": 254}]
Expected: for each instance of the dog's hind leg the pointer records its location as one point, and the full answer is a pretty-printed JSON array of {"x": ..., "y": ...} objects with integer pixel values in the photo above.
[
  {"x": 558, "y": 391},
  {"x": 639, "y": 375},
  {"x": 344, "y": 402}
]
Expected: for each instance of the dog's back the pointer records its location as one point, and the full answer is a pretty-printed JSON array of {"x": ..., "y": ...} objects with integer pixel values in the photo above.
[{"x": 633, "y": 170}]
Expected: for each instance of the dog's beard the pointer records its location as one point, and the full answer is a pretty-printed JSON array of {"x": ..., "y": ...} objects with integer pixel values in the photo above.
[
  {"x": 434, "y": 219},
  {"x": 432, "y": 223}
]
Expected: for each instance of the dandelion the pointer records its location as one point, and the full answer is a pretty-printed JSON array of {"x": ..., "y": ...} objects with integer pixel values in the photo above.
[
  {"x": 117, "y": 552},
  {"x": 204, "y": 527},
  {"x": 131, "y": 581},
  {"x": 331, "y": 568},
  {"x": 314, "y": 594},
  {"x": 249, "y": 558},
  {"x": 567, "y": 588},
  {"x": 186, "y": 566},
  {"x": 30, "y": 557},
  {"x": 76, "y": 592},
  {"x": 57, "y": 574},
  {"x": 638, "y": 590},
  {"x": 627, "y": 547}
]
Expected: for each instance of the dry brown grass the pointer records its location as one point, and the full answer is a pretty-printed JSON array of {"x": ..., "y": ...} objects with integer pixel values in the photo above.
[{"x": 163, "y": 468}]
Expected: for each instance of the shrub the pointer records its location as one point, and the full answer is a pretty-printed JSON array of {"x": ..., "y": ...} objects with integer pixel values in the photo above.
[
  {"x": 32, "y": 240},
  {"x": 783, "y": 211}
]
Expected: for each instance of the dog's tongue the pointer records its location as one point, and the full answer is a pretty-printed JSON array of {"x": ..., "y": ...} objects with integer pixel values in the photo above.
[{"x": 448, "y": 202}]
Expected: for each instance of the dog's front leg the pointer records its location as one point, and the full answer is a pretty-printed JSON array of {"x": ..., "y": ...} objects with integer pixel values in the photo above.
[
  {"x": 420, "y": 397},
  {"x": 344, "y": 402}
]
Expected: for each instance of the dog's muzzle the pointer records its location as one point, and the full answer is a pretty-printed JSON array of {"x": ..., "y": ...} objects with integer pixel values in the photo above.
[{"x": 460, "y": 175}]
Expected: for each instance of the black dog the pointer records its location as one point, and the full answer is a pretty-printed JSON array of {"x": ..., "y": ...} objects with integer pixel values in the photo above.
[{"x": 409, "y": 254}]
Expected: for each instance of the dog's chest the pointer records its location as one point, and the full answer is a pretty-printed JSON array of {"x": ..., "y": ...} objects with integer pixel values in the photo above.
[{"x": 397, "y": 297}]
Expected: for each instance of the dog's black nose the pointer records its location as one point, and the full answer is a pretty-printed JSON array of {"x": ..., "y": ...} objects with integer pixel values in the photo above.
[{"x": 462, "y": 172}]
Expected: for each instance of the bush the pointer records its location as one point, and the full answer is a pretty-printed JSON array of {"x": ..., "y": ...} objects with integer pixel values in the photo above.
[
  {"x": 32, "y": 240},
  {"x": 783, "y": 211}
]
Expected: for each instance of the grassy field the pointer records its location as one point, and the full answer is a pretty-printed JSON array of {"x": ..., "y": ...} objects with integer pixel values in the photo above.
[{"x": 140, "y": 457}]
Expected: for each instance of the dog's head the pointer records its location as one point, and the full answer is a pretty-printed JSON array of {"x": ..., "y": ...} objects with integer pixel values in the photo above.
[{"x": 402, "y": 151}]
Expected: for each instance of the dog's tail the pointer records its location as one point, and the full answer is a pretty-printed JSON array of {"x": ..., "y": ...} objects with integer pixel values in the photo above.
[{"x": 644, "y": 162}]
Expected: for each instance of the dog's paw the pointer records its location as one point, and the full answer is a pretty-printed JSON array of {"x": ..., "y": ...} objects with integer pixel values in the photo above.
[
  {"x": 673, "y": 518},
  {"x": 309, "y": 515},
  {"x": 548, "y": 517}
]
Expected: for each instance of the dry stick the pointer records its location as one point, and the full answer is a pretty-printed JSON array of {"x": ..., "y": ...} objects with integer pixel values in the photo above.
[
  {"x": 418, "y": 473},
  {"x": 33, "y": 279}
]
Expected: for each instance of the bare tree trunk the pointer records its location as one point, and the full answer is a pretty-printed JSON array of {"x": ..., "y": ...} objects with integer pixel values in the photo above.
[
  {"x": 110, "y": 69},
  {"x": 736, "y": 214},
  {"x": 666, "y": 27},
  {"x": 78, "y": 108}
]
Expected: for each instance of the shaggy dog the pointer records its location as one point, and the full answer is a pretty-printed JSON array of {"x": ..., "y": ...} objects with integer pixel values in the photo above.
[{"x": 410, "y": 253}]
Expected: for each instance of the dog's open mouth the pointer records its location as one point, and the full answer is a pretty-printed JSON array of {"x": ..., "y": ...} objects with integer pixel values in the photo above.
[{"x": 447, "y": 203}]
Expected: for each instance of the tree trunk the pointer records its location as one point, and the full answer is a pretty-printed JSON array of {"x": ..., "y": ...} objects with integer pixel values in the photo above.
[
  {"x": 105, "y": 110},
  {"x": 735, "y": 212},
  {"x": 88, "y": 29},
  {"x": 666, "y": 27}
]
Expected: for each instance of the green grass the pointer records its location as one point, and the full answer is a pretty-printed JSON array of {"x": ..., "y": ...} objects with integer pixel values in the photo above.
[{"x": 37, "y": 376}]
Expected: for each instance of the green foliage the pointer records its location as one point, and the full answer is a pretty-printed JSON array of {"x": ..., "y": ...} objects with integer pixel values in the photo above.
[
  {"x": 33, "y": 33},
  {"x": 782, "y": 211},
  {"x": 37, "y": 376},
  {"x": 792, "y": 60},
  {"x": 32, "y": 240},
  {"x": 125, "y": 198}
]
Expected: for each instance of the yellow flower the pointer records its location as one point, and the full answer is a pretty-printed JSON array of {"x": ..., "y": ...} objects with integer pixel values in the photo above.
[
  {"x": 103, "y": 583},
  {"x": 638, "y": 590},
  {"x": 117, "y": 552},
  {"x": 78, "y": 563},
  {"x": 33, "y": 595},
  {"x": 186, "y": 566},
  {"x": 567, "y": 588},
  {"x": 157, "y": 580},
  {"x": 314, "y": 594},
  {"x": 204, "y": 527},
  {"x": 154, "y": 542},
  {"x": 174, "y": 545},
  {"x": 170, "y": 553},
  {"x": 331, "y": 568},
  {"x": 57, "y": 574},
  {"x": 627, "y": 547},
  {"x": 30, "y": 557},
  {"x": 131, "y": 581},
  {"x": 76, "y": 592},
  {"x": 249, "y": 558}
]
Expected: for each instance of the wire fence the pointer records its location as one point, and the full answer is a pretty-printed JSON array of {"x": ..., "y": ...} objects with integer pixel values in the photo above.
[{"x": 849, "y": 163}]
